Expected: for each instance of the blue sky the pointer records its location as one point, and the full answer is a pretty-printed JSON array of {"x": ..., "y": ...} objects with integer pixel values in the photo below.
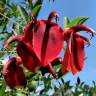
[{"x": 72, "y": 9}]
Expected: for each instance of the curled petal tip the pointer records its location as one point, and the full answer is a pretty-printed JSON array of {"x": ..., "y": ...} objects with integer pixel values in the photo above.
[
  {"x": 52, "y": 15},
  {"x": 83, "y": 28},
  {"x": 10, "y": 40}
]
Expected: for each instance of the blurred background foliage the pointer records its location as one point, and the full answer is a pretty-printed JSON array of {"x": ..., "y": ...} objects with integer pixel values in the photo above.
[{"x": 13, "y": 18}]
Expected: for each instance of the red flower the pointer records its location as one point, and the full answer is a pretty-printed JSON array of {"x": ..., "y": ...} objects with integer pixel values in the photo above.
[
  {"x": 47, "y": 39},
  {"x": 39, "y": 44},
  {"x": 74, "y": 55},
  {"x": 13, "y": 74}
]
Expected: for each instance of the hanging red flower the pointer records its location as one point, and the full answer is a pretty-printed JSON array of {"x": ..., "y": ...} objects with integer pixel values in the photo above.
[
  {"x": 74, "y": 55},
  {"x": 13, "y": 74}
]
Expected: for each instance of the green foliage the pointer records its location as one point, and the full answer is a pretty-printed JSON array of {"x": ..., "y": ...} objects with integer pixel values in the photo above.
[
  {"x": 23, "y": 13},
  {"x": 37, "y": 7},
  {"x": 77, "y": 21},
  {"x": 2, "y": 88}
]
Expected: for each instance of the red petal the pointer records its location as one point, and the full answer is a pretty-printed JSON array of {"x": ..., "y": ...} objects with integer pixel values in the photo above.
[
  {"x": 83, "y": 28},
  {"x": 47, "y": 42},
  {"x": 52, "y": 70},
  {"x": 83, "y": 37},
  {"x": 13, "y": 74},
  {"x": 77, "y": 56},
  {"x": 80, "y": 52},
  {"x": 28, "y": 57},
  {"x": 27, "y": 35},
  {"x": 66, "y": 59}
]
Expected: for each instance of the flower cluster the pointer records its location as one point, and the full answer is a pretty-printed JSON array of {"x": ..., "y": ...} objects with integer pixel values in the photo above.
[{"x": 39, "y": 46}]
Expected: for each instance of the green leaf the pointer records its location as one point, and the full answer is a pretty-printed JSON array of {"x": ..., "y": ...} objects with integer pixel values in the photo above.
[
  {"x": 5, "y": 35},
  {"x": 78, "y": 81},
  {"x": 3, "y": 1},
  {"x": 23, "y": 12},
  {"x": 7, "y": 1},
  {"x": 31, "y": 4},
  {"x": 66, "y": 22},
  {"x": 57, "y": 67},
  {"x": 62, "y": 81},
  {"x": 67, "y": 85},
  {"x": 1, "y": 53},
  {"x": 82, "y": 84},
  {"x": 94, "y": 83},
  {"x": 80, "y": 22},
  {"x": 39, "y": 2},
  {"x": 2, "y": 88},
  {"x": 32, "y": 85},
  {"x": 37, "y": 7},
  {"x": 77, "y": 21},
  {"x": 36, "y": 10}
]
